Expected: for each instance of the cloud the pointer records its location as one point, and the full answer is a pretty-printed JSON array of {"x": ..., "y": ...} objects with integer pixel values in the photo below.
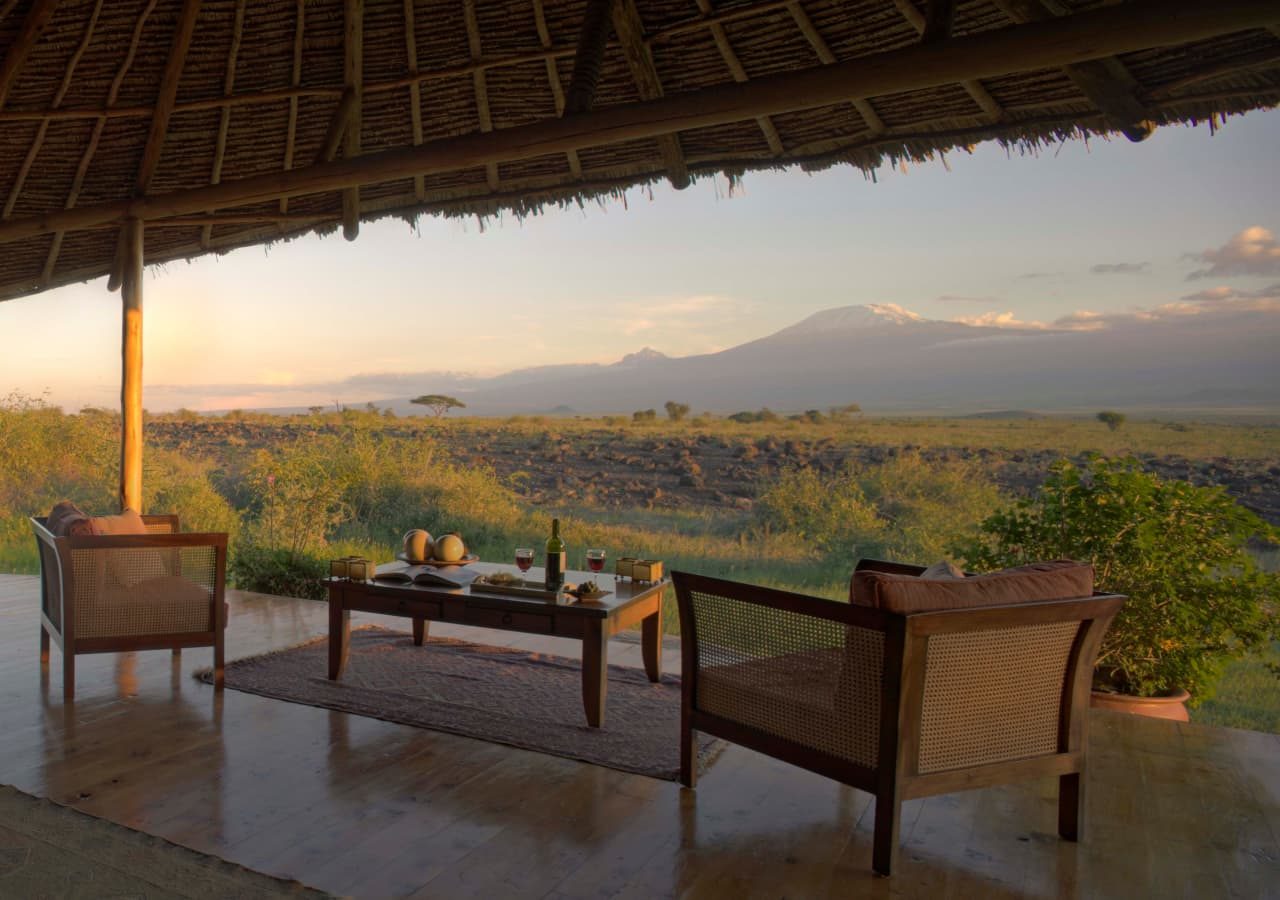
[
  {"x": 1027, "y": 276},
  {"x": 1253, "y": 251},
  {"x": 956, "y": 298},
  {"x": 1212, "y": 302},
  {"x": 996, "y": 319},
  {"x": 1122, "y": 268}
]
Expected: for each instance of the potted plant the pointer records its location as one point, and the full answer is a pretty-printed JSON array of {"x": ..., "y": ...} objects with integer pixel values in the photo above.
[{"x": 1180, "y": 552}]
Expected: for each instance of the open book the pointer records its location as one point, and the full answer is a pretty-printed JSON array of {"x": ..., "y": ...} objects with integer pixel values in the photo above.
[{"x": 456, "y": 577}]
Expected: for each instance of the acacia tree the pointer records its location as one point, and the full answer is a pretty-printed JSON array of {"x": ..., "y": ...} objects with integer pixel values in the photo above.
[
  {"x": 1113, "y": 420},
  {"x": 676, "y": 411},
  {"x": 439, "y": 403}
]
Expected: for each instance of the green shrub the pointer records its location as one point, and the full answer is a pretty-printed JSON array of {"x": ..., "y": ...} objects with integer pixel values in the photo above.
[
  {"x": 1197, "y": 598},
  {"x": 284, "y": 573},
  {"x": 904, "y": 509}
]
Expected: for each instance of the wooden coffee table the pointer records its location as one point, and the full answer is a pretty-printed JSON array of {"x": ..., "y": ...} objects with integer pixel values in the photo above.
[{"x": 593, "y": 623}]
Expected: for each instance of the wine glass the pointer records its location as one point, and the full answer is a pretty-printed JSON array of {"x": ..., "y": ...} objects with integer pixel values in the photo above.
[
  {"x": 524, "y": 558},
  {"x": 595, "y": 560}
]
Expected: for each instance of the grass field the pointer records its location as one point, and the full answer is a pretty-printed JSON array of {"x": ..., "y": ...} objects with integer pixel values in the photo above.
[{"x": 353, "y": 482}]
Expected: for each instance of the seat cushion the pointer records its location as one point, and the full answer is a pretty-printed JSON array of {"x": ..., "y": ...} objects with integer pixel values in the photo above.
[
  {"x": 128, "y": 522},
  {"x": 905, "y": 594},
  {"x": 169, "y": 604},
  {"x": 67, "y": 520}
]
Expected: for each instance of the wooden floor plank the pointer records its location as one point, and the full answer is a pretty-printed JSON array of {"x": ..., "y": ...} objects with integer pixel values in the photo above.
[{"x": 371, "y": 809}]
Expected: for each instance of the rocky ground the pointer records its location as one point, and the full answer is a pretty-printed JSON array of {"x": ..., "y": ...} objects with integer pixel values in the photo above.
[{"x": 628, "y": 469}]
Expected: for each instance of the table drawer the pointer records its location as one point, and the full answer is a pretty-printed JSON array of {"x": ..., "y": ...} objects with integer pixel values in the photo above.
[
  {"x": 511, "y": 621},
  {"x": 424, "y": 607}
]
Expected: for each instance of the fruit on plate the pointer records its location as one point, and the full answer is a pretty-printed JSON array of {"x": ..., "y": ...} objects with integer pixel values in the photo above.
[
  {"x": 450, "y": 548},
  {"x": 418, "y": 544}
]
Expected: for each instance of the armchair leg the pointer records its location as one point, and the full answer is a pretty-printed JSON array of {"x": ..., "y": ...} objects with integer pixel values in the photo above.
[
  {"x": 219, "y": 659},
  {"x": 688, "y": 759},
  {"x": 884, "y": 852},
  {"x": 1070, "y": 805},
  {"x": 44, "y": 647},
  {"x": 68, "y": 674}
]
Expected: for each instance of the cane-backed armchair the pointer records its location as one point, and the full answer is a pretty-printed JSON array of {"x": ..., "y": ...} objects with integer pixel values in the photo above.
[
  {"x": 104, "y": 593},
  {"x": 901, "y": 705}
]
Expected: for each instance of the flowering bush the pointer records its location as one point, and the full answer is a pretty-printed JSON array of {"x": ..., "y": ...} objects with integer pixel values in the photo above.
[{"x": 1180, "y": 553}]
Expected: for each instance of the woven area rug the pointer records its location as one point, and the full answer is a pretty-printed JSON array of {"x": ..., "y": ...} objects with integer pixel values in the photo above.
[
  {"x": 47, "y": 850},
  {"x": 499, "y": 694}
]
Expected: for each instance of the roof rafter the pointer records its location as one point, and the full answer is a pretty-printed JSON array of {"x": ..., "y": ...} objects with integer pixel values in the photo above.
[
  {"x": 353, "y": 75},
  {"x": 1106, "y": 81},
  {"x": 553, "y": 79},
  {"x": 480, "y": 85},
  {"x": 718, "y": 34},
  {"x": 875, "y": 124},
  {"x": 415, "y": 89},
  {"x": 29, "y": 32},
  {"x": 1104, "y": 31},
  {"x": 974, "y": 88},
  {"x": 291, "y": 129},
  {"x": 165, "y": 100},
  {"x": 224, "y": 124},
  {"x": 91, "y": 148},
  {"x": 630, "y": 30},
  {"x": 589, "y": 56},
  {"x": 43, "y": 130}
]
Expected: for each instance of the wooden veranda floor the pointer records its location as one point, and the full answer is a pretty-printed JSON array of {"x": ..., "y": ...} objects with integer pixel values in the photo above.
[{"x": 366, "y": 808}]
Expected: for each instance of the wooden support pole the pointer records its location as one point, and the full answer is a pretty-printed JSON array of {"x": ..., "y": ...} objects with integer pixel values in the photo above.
[
  {"x": 131, "y": 371},
  {"x": 353, "y": 75},
  {"x": 589, "y": 59},
  {"x": 1104, "y": 31}
]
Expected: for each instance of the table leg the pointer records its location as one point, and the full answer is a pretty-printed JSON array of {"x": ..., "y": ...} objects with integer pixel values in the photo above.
[
  {"x": 595, "y": 670},
  {"x": 419, "y": 631},
  {"x": 339, "y": 636},
  {"x": 651, "y": 643}
]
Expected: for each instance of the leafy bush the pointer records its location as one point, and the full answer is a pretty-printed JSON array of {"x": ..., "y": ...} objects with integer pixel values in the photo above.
[
  {"x": 1197, "y": 598},
  {"x": 905, "y": 509},
  {"x": 283, "y": 573}
]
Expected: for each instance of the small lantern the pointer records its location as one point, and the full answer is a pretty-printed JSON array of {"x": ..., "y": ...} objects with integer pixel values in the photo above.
[{"x": 352, "y": 568}]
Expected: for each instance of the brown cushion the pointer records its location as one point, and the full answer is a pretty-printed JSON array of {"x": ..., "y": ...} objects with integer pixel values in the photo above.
[
  {"x": 128, "y": 522},
  {"x": 66, "y": 519},
  {"x": 1059, "y": 580}
]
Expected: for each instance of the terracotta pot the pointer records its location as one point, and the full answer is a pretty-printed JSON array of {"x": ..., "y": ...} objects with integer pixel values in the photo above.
[{"x": 1174, "y": 706}]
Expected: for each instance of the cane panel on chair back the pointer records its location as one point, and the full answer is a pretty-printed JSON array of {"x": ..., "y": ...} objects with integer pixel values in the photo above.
[
  {"x": 993, "y": 696},
  {"x": 810, "y": 680}
]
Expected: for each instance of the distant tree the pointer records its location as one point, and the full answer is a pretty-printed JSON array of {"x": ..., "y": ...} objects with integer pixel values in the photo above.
[
  {"x": 644, "y": 415},
  {"x": 676, "y": 411},
  {"x": 439, "y": 403},
  {"x": 745, "y": 417},
  {"x": 847, "y": 411},
  {"x": 371, "y": 407},
  {"x": 315, "y": 410},
  {"x": 1111, "y": 419}
]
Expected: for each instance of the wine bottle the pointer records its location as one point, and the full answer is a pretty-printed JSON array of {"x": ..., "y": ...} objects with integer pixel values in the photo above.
[{"x": 555, "y": 558}]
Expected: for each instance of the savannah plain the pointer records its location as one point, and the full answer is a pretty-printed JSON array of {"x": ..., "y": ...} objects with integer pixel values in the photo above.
[{"x": 790, "y": 502}]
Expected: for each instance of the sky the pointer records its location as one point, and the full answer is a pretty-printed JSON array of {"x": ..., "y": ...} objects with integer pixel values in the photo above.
[{"x": 1078, "y": 235}]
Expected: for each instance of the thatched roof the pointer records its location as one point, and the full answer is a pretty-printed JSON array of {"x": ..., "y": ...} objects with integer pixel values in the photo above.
[{"x": 118, "y": 109}]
